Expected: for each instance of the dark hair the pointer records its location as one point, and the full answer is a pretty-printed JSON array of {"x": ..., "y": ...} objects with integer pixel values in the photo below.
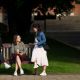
[
  {"x": 15, "y": 37},
  {"x": 37, "y": 26}
]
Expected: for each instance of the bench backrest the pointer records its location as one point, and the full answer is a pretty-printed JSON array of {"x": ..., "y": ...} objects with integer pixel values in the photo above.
[{"x": 5, "y": 50}]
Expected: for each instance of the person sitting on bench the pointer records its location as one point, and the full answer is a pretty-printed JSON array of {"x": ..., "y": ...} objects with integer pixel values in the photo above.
[
  {"x": 2, "y": 60},
  {"x": 18, "y": 51}
]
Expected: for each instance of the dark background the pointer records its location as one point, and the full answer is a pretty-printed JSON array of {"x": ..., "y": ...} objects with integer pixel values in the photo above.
[{"x": 19, "y": 15}]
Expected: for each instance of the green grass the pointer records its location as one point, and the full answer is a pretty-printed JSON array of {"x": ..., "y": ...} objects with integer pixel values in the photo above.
[
  {"x": 63, "y": 67},
  {"x": 62, "y": 59}
]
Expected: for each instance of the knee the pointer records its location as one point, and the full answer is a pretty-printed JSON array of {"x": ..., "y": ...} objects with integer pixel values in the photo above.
[{"x": 17, "y": 57}]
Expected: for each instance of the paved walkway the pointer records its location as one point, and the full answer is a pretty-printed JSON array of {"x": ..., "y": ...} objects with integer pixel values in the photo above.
[{"x": 49, "y": 77}]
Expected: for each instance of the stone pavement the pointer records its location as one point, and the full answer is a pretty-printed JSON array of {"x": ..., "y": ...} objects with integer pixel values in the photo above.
[{"x": 49, "y": 77}]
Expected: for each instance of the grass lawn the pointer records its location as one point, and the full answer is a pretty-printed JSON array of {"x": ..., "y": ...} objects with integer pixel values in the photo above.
[{"x": 62, "y": 59}]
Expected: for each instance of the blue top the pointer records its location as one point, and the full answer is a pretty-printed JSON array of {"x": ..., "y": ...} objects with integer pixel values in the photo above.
[{"x": 41, "y": 39}]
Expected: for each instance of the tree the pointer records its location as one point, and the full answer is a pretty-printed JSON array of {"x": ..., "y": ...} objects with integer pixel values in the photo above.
[{"x": 62, "y": 5}]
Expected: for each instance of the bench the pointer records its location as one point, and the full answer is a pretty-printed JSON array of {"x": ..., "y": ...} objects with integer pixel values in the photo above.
[{"x": 5, "y": 51}]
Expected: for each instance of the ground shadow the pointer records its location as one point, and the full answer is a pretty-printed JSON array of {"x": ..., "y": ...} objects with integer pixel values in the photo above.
[
  {"x": 61, "y": 52},
  {"x": 10, "y": 71}
]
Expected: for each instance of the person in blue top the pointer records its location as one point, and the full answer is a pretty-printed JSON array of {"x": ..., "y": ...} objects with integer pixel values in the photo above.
[{"x": 39, "y": 54}]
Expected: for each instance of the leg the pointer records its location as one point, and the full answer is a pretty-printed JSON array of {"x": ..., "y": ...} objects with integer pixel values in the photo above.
[
  {"x": 35, "y": 67},
  {"x": 44, "y": 71},
  {"x": 35, "y": 71},
  {"x": 4, "y": 62},
  {"x": 44, "y": 68},
  {"x": 35, "y": 64},
  {"x": 1, "y": 58},
  {"x": 18, "y": 60},
  {"x": 16, "y": 69}
]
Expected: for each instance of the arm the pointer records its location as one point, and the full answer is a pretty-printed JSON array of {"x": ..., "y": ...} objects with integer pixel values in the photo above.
[
  {"x": 40, "y": 12},
  {"x": 24, "y": 48},
  {"x": 35, "y": 9},
  {"x": 46, "y": 13}
]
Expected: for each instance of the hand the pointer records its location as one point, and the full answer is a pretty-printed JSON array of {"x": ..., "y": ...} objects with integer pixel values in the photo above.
[
  {"x": 17, "y": 51},
  {"x": 21, "y": 53}
]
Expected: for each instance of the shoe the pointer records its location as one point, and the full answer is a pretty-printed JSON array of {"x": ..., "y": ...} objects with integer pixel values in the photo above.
[
  {"x": 15, "y": 73},
  {"x": 35, "y": 73},
  {"x": 7, "y": 66},
  {"x": 43, "y": 74},
  {"x": 21, "y": 71},
  {"x": 36, "y": 66}
]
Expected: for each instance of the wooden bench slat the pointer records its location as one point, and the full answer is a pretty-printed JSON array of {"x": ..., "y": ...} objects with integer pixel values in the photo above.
[{"x": 6, "y": 50}]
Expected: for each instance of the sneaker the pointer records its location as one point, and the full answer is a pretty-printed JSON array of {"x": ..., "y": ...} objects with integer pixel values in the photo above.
[
  {"x": 36, "y": 66},
  {"x": 43, "y": 74},
  {"x": 21, "y": 71},
  {"x": 7, "y": 66},
  {"x": 15, "y": 73}
]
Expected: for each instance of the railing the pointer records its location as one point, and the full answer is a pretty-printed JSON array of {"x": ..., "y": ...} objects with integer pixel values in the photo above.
[{"x": 5, "y": 50}]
